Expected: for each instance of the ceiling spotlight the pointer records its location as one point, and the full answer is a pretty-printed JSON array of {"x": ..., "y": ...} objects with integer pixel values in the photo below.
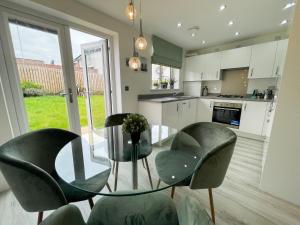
[
  {"x": 222, "y": 7},
  {"x": 237, "y": 33},
  {"x": 203, "y": 42},
  {"x": 230, "y": 23},
  {"x": 289, "y": 5},
  {"x": 193, "y": 30},
  {"x": 179, "y": 25},
  {"x": 283, "y": 22}
]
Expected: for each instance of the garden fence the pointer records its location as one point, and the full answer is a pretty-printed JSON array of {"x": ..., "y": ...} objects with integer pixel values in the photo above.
[{"x": 50, "y": 76}]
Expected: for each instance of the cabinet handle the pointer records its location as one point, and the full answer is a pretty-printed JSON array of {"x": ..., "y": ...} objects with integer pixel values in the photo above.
[
  {"x": 252, "y": 72},
  {"x": 277, "y": 71},
  {"x": 177, "y": 107},
  {"x": 210, "y": 105},
  {"x": 245, "y": 106},
  {"x": 217, "y": 75}
]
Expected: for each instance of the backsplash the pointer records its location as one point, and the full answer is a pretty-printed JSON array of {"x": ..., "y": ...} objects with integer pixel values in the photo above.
[
  {"x": 216, "y": 87},
  {"x": 260, "y": 84}
]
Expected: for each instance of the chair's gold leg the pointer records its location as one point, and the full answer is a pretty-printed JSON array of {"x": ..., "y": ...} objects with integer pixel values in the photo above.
[
  {"x": 116, "y": 176},
  {"x": 108, "y": 187},
  {"x": 40, "y": 217},
  {"x": 91, "y": 202},
  {"x": 173, "y": 192},
  {"x": 148, "y": 171},
  {"x": 143, "y": 163},
  {"x": 212, "y": 209},
  {"x": 158, "y": 183}
]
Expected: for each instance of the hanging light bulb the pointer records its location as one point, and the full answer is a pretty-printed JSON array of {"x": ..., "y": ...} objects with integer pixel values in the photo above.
[
  {"x": 141, "y": 42},
  {"x": 130, "y": 11},
  {"x": 134, "y": 61}
]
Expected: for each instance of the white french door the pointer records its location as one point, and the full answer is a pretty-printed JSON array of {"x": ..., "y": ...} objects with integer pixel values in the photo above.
[{"x": 41, "y": 74}]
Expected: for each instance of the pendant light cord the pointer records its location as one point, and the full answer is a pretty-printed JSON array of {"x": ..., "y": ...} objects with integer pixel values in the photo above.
[
  {"x": 141, "y": 18},
  {"x": 134, "y": 50}
]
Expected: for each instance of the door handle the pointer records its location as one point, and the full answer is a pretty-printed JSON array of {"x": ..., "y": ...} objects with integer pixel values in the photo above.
[{"x": 69, "y": 93}]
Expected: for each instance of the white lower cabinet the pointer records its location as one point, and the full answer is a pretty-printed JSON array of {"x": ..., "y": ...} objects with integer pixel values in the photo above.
[
  {"x": 205, "y": 110},
  {"x": 177, "y": 114},
  {"x": 253, "y": 117},
  {"x": 170, "y": 114},
  {"x": 187, "y": 113}
]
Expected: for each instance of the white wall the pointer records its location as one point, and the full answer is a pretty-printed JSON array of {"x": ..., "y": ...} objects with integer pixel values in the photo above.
[
  {"x": 139, "y": 82},
  {"x": 281, "y": 176}
]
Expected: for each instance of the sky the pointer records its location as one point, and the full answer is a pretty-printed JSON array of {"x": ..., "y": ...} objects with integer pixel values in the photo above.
[{"x": 35, "y": 44}]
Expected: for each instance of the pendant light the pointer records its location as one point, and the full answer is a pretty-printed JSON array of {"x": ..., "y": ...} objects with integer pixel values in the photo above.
[
  {"x": 141, "y": 42},
  {"x": 130, "y": 11},
  {"x": 134, "y": 61}
]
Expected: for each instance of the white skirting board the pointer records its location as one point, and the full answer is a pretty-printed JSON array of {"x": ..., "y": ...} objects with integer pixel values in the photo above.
[{"x": 3, "y": 184}]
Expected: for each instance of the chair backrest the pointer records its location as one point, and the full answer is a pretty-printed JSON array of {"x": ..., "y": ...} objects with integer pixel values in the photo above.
[
  {"x": 27, "y": 162},
  {"x": 115, "y": 119},
  {"x": 214, "y": 143}
]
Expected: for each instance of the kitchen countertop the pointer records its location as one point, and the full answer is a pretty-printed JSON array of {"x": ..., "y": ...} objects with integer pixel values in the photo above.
[
  {"x": 237, "y": 99},
  {"x": 168, "y": 99},
  {"x": 182, "y": 98}
]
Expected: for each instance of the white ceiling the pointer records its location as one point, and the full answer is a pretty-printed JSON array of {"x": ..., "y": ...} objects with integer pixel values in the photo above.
[{"x": 160, "y": 17}]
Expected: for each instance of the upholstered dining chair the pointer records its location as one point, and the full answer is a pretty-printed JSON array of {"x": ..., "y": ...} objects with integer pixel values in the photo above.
[
  {"x": 212, "y": 144},
  {"x": 116, "y": 120},
  {"x": 150, "y": 209},
  {"x": 28, "y": 165}
]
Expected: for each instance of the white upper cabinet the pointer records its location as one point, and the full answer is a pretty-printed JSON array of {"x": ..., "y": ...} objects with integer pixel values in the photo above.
[
  {"x": 236, "y": 58},
  {"x": 262, "y": 60},
  {"x": 253, "y": 117},
  {"x": 194, "y": 68},
  {"x": 212, "y": 64},
  {"x": 280, "y": 57}
]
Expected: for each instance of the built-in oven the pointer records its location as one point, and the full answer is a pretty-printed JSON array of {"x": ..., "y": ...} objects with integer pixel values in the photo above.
[{"x": 227, "y": 113}]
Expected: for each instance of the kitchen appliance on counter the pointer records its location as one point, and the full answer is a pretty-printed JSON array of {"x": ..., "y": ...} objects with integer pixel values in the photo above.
[{"x": 227, "y": 113}]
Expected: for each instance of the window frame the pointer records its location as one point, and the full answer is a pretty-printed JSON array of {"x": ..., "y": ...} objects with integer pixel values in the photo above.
[{"x": 161, "y": 77}]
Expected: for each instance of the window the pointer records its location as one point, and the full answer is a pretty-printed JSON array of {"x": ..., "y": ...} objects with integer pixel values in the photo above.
[{"x": 164, "y": 77}]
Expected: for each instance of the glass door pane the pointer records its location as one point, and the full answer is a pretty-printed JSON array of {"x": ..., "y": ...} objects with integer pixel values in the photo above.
[
  {"x": 41, "y": 76},
  {"x": 89, "y": 65}
]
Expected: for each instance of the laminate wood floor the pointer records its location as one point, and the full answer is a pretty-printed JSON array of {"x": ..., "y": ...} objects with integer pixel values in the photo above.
[{"x": 239, "y": 201}]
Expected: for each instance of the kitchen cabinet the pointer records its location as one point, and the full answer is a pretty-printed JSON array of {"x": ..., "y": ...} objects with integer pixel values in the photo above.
[
  {"x": 262, "y": 60},
  {"x": 212, "y": 66},
  {"x": 236, "y": 58},
  {"x": 176, "y": 114},
  {"x": 253, "y": 117},
  {"x": 170, "y": 114},
  {"x": 280, "y": 57},
  {"x": 187, "y": 112},
  {"x": 194, "y": 68},
  {"x": 205, "y": 110},
  {"x": 269, "y": 118}
]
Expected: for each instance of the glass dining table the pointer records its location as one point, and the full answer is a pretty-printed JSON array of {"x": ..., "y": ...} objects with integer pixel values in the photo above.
[{"x": 87, "y": 162}]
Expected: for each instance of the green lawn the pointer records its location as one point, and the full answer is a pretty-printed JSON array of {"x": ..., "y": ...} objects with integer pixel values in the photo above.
[{"x": 51, "y": 111}]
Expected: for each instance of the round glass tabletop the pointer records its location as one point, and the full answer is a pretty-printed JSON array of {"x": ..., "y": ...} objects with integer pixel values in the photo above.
[{"x": 104, "y": 162}]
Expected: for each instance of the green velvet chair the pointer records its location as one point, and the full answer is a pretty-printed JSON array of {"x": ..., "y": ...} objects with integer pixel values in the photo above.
[
  {"x": 212, "y": 144},
  {"x": 149, "y": 209},
  {"x": 155, "y": 208},
  {"x": 28, "y": 165},
  {"x": 117, "y": 120},
  {"x": 65, "y": 215}
]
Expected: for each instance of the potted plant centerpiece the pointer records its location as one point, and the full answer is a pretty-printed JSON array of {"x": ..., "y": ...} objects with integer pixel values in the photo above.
[{"x": 134, "y": 125}]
